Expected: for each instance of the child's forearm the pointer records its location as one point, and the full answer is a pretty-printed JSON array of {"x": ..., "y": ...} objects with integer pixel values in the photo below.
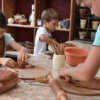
[
  {"x": 17, "y": 46},
  {"x": 79, "y": 73},
  {"x": 46, "y": 39},
  {"x": 88, "y": 70}
]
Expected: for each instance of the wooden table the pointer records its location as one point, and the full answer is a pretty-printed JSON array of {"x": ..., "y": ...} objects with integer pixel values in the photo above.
[{"x": 32, "y": 90}]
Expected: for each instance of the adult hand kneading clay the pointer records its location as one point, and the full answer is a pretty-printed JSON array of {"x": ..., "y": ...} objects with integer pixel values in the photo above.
[{"x": 8, "y": 79}]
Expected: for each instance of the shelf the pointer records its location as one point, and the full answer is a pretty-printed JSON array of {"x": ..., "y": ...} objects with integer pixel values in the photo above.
[
  {"x": 83, "y": 18},
  {"x": 62, "y": 29},
  {"x": 19, "y": 25},
  {"x": 59, "y": 29},
  {"x": 94, "y": 18},
  {"x": 88, "y": 41},
  {"x": 89, "y": 29},
  {"x": 83, "y": 7}
]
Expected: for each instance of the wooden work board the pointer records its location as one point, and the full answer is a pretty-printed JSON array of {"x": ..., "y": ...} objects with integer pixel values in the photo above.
[{"x": 31, "y": 72}]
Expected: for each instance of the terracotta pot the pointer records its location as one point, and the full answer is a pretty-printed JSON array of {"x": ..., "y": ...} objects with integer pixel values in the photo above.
[{"x": 75, "y": 56}]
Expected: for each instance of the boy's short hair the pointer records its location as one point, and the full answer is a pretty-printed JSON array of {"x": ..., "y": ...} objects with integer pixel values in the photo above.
[
  {"x": 3, "y": 21},
  {"x": 78, "y": 1},
  {"x": 49, "y": 14}
]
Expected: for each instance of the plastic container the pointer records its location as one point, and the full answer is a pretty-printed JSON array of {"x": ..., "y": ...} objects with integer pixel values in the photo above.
[{"x": 75, "y": 56}]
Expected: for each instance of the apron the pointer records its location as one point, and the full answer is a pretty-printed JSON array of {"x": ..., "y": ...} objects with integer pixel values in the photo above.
[{"x": 2, "y": 46}]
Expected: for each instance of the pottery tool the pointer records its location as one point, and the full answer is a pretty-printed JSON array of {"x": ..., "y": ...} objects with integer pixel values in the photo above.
[
  {"x": 28, "y": 46},
  {"x": 60, "y": 94},
  {"x": 29, "y": 43},
  {"x": 53, "y": 47},
  {"x": 57, "y": 48}
]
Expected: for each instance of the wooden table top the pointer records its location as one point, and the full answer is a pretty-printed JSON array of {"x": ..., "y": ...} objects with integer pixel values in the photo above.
[{"x": 32, "y": 90}]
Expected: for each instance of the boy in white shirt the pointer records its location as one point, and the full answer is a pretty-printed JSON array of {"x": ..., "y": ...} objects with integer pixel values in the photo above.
[{"x": 50, "y": 22}]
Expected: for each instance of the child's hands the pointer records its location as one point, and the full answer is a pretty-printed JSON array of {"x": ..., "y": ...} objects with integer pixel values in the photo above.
[
  {"x": 8, "y": 62},
  {"x": 23, "y": 54}
]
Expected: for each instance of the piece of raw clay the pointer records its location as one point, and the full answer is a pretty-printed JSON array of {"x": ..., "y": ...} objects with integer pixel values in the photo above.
[
  {"x": 22, "y": 64},
  {"x": 32, "y": 72},
  {"x": 71, "y": 88}
]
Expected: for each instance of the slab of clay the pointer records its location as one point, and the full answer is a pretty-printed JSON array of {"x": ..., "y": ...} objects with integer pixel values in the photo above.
[
  {"x": 70, "y": 88},
  {"x": 31, "y": 72}
]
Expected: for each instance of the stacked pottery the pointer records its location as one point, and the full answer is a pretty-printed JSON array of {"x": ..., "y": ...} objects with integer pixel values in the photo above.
[
  {"x": 92, "y": 35},
  {"x": 82, "y": 34},
  {"x": 83, "y": 23},
  {"x": 95, "y": 24}
]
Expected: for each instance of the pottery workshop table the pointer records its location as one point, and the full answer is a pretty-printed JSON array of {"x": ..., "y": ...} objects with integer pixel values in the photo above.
[{"x": 32, "y": 90}]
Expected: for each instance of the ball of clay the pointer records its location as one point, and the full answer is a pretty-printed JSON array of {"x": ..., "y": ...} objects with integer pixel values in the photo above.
[
  {"x": 10, "y": 20},
  {"x": 22, "y": 64}
]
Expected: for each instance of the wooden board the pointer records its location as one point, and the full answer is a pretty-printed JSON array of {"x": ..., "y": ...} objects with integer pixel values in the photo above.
[
  {"x": 31, "y": 72},
  {"x": 70, "y": 88}
]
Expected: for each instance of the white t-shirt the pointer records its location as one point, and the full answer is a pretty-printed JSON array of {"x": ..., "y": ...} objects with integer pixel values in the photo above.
[{"x": 40, "y": 46}]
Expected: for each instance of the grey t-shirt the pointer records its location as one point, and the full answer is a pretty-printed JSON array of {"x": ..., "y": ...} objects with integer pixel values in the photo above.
[{"x": 8, "y": 40}]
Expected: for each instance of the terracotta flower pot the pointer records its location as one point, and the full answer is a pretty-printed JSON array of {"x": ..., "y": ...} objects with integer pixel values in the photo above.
[{"x": 75, "y": 56}]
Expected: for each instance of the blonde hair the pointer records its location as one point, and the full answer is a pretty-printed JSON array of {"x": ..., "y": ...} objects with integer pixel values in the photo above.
[{"x": 49, "y": 14}]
